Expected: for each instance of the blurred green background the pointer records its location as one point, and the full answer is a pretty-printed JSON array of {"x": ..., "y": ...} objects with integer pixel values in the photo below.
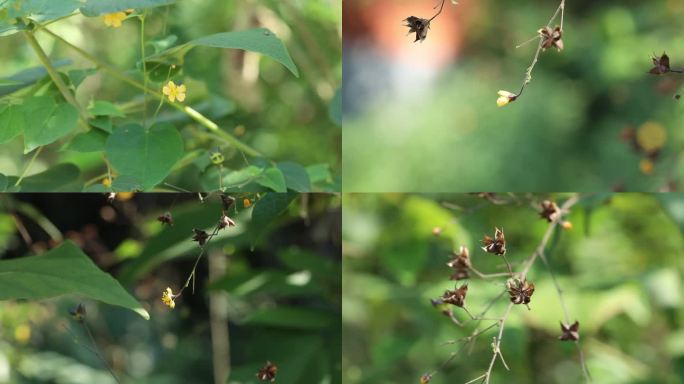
[
  {"x": 620, "y": 268},
  {"x": 278, "y": 302},
  {"x": 258, "y": 100},
  {"x": 422, "y": 117}
]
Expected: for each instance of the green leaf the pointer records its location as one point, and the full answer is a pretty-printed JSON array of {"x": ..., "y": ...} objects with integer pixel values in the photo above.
[
  {"x": 76, "y": 76},
  {"x": 28, "y": 77},
  {"x": 241, "y": 176},
  {"x": 296, "y": 177},
  {"x": 102, "y": 122},
  {"x": 273, "y": 178},
  {"x": 267, "y": 209},
  {"x": 147, "y": 155},
  {"x": 258, "y": 40},
  {"x": 60, "y": 178},
  {"x": 46, "y": 121},
  {"x": 41, "y": 10},
  {"x": 91, "y": 141},
  {"x": 11, "y": 122},
  {"x": 64, "y": 270},
  {"x": 335, "y": 109},
  {"x": 105, "y": 108},
  {"x": 126, "y": 183},
  {"x": 319, "y": 173},
  {"x": 99, "y": 7},
  {"x": 673, "y": 205},
  {"x": 3, "y": 183}
]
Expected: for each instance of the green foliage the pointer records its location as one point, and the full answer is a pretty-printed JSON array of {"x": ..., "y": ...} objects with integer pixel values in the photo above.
[
  {"x": 144, "y": 154},
  {"x": 267, "y": 126},
  {"x": 619, "y": 269},
  {"x": 64, "y": 270}
]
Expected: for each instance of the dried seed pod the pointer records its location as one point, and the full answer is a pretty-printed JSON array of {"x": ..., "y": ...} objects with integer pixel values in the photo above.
[
  {"x": 661, "y": 65},
  {"x": 268, "y": 372},
  {"x": 551, "y": 37},
  {"x": 497, "y": 245},
  {"x": 550, "y": 210},
  {"x": 426, "y": 378},
  {"x": 460, "y": 264},
  {"x": 225, "y": 222},
  {"x": 520, "y": 291},
  {"x": 455, "y": 297},
  {"x": 166, "y": 218},
  {"x": 419, "y": 26},
  {"x": 200, "y": 236},
  {"x": 227, "y": 201},
  {"x": 570, "y": 332}
]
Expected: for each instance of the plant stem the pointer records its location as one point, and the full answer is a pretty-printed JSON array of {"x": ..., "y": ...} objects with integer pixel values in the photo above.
[
  {"x": 54, "y": 75},
  {"x": 97, "y": 352},
  {"x": 198, "y": 117},
  {"x": 144, "y": 65},
  {"x": 28, "y": 166}
]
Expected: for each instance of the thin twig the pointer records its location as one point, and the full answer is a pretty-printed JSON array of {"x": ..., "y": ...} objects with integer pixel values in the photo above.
[{"x": 441, "y": 7}]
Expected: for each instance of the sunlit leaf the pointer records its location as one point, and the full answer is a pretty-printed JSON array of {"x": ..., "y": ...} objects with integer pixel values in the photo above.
[
  {"x": 64, "y": 270},
  {"x": 46, "y": 121},
  {"x": 147, "y": 155}
]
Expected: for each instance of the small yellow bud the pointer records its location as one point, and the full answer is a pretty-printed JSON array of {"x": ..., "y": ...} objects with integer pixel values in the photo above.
[
  {"x": 567, "y": 225},
  {"x": 246, "y": 203},
  {"x": 505, "y": 97}
]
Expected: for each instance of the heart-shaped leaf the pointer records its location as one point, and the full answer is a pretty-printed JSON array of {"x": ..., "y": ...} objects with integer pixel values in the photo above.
[
  {"x": 147, "y": 155},
  {"x": 45, "y": 121},
  {"x": 296, "y": 176},
  {"x": 64, "y": 270},
  {"x": 273, "y": 178}
]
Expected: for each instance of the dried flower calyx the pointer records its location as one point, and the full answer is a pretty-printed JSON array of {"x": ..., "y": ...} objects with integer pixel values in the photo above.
[
  {"x": 227, "y": 201},
  {"x": 419, "y": 26},
  {"x": 661, "y": 65},
  {"x": 496, "y": 245},
  {"x": 550, "y": 210},
  {"x": 460, "y": 264},
  {"x": 426, "y": 378},
  {"x": 78, "y": 313},
  {"x": 225, "y": 222},
  {"x": 166, "y": 218},
  {"x": 200, "y": 236},
  {"x": 551, "y": 37},
  {"x": 519, "y": 291},
  {"x": 268, "y": 372},
  {"x": 455, "y": 297},
  {"x": 570, "y": 332}
]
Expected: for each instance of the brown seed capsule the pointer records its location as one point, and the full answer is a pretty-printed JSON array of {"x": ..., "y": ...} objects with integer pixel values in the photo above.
[
  {"x": 200, "y": 236},
  {"x": 166, "y": 218},
  {"x": 550, "y": 210},
  {"x": 661, "y": 65},
  {"x": 419, "y": 26},
  {"x": 520, "y": 291},
  {"x": 268, "y": 372},
  {"x": 425, "y": 379},
  {"x": 460, "y": 264},
  {"x": 225, "y": 222},
  {"x": 455, "y": 297},
  {"x": 551, "y": 38},
  {"x": 497, "y": 245},
  {"x": 227, "y": 201},
  {"x": 570, "y": 332}
]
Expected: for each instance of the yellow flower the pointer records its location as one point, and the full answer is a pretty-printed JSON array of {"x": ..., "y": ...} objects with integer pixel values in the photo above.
[
  {"x": 168, "y": 297},
  {"x": 505, "y": 97},
  {"x": 646, "y": 166},
  {"x": 114, "y": 19},
  {"x": 174, "y": 91},
  {"x": 246, "y": 203},
  {"x": 107, "y": 182}
]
